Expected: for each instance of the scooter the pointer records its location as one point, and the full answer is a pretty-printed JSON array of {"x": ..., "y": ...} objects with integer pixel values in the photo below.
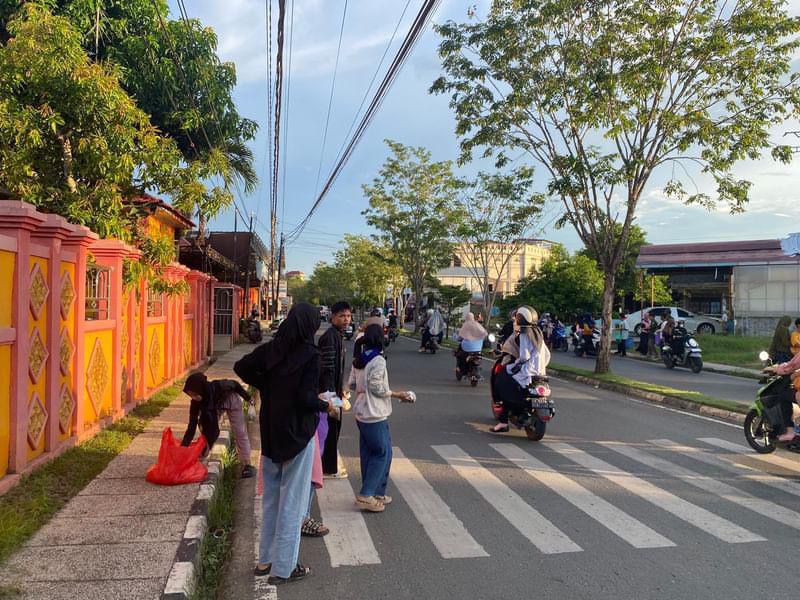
[
  {"x": 253, "y": 330},
  {"x": 690, "y": 355},
  {"x": 432, "y": 345},
  {"x": 766, "y": 416},
  {"x": 392, "y": 333},
  {"x": 559, "y": 340},
  {"x": 473, "y": 362},
  {"x": 539, "y": 406},
  {"x": 349, "y": 331},
  {"x": 582, "y": 347}
]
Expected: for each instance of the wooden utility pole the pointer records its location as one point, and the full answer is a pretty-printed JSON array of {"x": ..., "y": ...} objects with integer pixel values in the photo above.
[{"x": 246, "y": 310}]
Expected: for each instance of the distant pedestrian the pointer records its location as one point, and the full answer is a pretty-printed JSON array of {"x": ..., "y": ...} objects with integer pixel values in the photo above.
[
  {"x": 644, "y": 332},
  {"x": 372, "y": 408},
  {"x": 286, "y": 372},
  {"x": 331, "y": 379},
  {"x": 794, "y": 339},
  {"x": 724, "y": 320},
  {"x": 209, "y": 400},
  {"x": 623, "y": 335},
  {"x": 780, "y": 348}
]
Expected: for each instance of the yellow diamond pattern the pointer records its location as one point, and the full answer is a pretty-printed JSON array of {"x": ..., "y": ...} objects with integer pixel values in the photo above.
[
  {"x": 37, "y": 417},
  {"x": 97, "y": 376},
  {"x": 38, "y": 356},
  {"x": 38, "y": 292},
  {"x": 66, "y": 407},
  {"x": 65, "y": 351},
  {"x": 67, "y": 295}
]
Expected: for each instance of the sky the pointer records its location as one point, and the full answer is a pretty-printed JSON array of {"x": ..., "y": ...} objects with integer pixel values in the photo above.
[{"x": 412, "y": 116}]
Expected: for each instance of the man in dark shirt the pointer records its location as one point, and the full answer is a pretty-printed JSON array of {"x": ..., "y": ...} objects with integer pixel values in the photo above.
[{"x": 331, "y": 379}]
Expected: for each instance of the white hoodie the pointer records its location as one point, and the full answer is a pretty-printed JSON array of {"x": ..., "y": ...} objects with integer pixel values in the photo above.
[{"x": 373, "y": 401}]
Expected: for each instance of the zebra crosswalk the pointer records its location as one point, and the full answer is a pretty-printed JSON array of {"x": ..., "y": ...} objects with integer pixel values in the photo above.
[{"x": 583, "y": 479}]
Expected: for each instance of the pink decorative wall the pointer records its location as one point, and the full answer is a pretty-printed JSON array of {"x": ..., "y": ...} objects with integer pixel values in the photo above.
[{"x": 63, "y": 377}]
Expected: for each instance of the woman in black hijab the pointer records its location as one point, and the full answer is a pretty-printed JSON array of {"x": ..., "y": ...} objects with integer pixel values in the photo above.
[{"x": 286, "y": 372}]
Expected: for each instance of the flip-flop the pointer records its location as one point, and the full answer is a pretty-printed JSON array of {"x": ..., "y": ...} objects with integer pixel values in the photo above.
[{"x": 299, "y": 573}]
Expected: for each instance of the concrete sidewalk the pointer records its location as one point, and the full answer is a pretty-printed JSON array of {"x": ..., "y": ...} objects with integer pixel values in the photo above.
[{"x": 120, "y": 537}]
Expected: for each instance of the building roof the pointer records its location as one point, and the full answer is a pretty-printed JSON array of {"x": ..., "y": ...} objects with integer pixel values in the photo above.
[
  {"x": 459, "y": 272},
  {"x": 714, "y": 254},
  {"x": 223, "y": 241},
  {"x": 169, "y": 213}
]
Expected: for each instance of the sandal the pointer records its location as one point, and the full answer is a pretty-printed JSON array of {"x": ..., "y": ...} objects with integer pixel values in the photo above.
[
  {"x": 500, "y": 428},
  {"x": 313, "y": 528},
  {"x": 299, "y": 573},
  {"x": 248, "y": 471},
  {"x": 260, "y": 572}
]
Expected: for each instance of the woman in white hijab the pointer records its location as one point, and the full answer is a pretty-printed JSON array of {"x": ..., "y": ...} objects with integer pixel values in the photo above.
[
  {"x": 434, "y": 328},
  {"x": 471, "y": 336}
]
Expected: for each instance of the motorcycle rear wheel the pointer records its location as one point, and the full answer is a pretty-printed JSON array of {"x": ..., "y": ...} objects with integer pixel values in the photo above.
[
  {"x": 535, "y": 431},
  {"x": 757, "y": 433},
  {"x": 668, "y": 362},
  {"x": 696, "y": 365},
  {"x": 473, "y": 381}
]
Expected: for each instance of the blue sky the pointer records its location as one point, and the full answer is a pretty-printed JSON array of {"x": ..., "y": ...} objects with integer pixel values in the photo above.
[{"x": 412, "y": 116}]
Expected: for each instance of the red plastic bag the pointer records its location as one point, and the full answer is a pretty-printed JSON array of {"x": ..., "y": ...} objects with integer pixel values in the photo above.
[{"x": 178, "y": 464}]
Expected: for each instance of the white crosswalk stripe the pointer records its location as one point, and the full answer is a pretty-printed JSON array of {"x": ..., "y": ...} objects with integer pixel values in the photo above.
[
  {"x": 526, "y": 519},
  {"x": 349, "y": 542},
  {"x": 636, "y": 533},
  {"x": 765, "y": 508},
  {"x": 732, "y": 466},
  {"x": 691, "y": 513},
  {"x": 773, "y": 459},
  {"x": 443, "y": 528}
]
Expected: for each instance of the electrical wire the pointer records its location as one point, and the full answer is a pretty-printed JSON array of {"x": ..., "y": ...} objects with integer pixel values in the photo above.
[{"x": 419, "y": 25}]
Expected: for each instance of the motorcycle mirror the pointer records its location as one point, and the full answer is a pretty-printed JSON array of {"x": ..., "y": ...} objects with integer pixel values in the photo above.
[
  {"x": 763, "y": 355},
  {"x": 492, "y": 338}
]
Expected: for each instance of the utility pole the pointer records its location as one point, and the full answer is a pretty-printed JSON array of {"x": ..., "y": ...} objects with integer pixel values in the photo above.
[
  {"x": 235, "y": 263},
  {"x": 247, "y": 276},
  {"x": 277, "y": 280}
]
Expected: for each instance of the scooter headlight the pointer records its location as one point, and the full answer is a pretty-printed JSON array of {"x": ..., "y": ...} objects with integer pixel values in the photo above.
[
  {"x": 492, "y": 338},
  {"x": 693, "y": 343}
]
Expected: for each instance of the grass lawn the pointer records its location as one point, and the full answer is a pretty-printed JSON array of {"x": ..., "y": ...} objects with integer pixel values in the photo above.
[
  {"x": 27, "y": 507},
  {"x": 734, "y": 350}
]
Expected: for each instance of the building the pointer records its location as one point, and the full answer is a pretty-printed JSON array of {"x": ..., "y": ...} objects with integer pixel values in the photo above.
[
  {"x": 755, "y": 279},
  {"x": 299, "y": 274},
  {"x": 527, "y": 257}
]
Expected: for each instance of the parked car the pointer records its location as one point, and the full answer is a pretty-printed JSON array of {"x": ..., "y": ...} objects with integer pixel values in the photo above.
[{"x": 693, "y": 323}]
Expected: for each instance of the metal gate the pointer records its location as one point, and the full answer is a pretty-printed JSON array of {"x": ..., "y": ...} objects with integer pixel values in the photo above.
[{"x": 223, "y": 311}]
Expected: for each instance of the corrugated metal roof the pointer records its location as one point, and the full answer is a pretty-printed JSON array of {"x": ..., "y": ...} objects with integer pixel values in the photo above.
[{"x": 714, "y": 254}]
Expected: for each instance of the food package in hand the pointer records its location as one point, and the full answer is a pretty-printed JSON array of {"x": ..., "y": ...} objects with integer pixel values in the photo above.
[
  {"x": 411, "y": 396},
  {"x": 332, "y": 399}
]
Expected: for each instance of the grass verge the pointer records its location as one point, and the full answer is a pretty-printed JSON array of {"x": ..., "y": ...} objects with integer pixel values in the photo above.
[
  {"x": 734, "y": 350},
  {"x": 218, "y": 542},
  {"x": 696, "y": 397},
  {"x": 27, "y": 507}
]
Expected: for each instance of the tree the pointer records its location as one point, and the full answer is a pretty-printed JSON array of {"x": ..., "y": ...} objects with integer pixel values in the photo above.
[
  {"x": 497, "y": 213},
  {"x": 627, "y": 280},
  {"x": 412, "y": 205},
  {"x": 364, "y": 261},
  {"x": 297, "y": 288},
  {"x": 71, "y": 140},
  {"x": 602, "y": 94},
  {"x": 452, "y": 297},
  {"x": 329, "y": 284},
  {"x": 652, "y": 290},
  {"x": 564, "y": 285}
]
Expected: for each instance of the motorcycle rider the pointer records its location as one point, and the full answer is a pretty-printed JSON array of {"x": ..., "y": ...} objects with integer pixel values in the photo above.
[
  {"x": 470, "y": 336},
  {"x": 508, "y": 329},
  {"x": 433, "y": 328},
  {"x": 531, "y": 358},
  {"x": 787, "y": 368}
]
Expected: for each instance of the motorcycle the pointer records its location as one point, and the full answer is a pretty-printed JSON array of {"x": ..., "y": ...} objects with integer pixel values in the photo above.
[
  {"x": 539, "y": 406},
  {"x": 252, "y": 330},
  {"x": 392, "y": 333},
  {"x": 432, "y": 345},
  {"x": 349, "y": 331},
  {"x": 559, "y": 340},
  {"x": 473, "y": 362},
  {"x": 689, "y": 355},
  {"x": 583, "y": 347},
  {"x": 766, "y": 415}
]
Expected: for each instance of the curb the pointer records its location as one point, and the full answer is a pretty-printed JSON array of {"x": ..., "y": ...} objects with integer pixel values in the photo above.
[
  {"x": 654, "y": 397},
  {"x": 732, "y": 372},
  {"x": 183, "y": 574}
]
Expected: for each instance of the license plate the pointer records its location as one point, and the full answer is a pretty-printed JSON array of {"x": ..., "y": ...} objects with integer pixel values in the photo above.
[{"x": 540, "y": 404}]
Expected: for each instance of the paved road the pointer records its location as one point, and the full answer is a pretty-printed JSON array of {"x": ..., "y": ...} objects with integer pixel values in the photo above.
[
  {"x": 597, "y": 510},
  {"x": 727, "y": 387}
]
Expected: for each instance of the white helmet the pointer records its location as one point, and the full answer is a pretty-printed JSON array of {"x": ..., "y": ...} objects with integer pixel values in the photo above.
[{"x": 528, "y": 314}]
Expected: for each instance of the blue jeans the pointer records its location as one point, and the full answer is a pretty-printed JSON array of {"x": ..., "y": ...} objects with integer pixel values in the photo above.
[
  {"x": 284, "y": 503},
  {"x": 375, "y": 447}
]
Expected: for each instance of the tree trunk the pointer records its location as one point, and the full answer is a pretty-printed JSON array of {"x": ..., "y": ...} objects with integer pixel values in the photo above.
[{"x": 603, "y": 356}]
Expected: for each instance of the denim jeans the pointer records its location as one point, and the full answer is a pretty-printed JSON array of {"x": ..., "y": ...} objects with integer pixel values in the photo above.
[
  {"x": 284, "y": 503},
  {"x": 375, "y": 447}
]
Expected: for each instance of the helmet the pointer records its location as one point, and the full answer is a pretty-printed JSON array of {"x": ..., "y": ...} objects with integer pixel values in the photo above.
[
  {"x": 375, "y": 312},
  {"x": 527, "y": 314},
  {"x": 430, "y": 312}
]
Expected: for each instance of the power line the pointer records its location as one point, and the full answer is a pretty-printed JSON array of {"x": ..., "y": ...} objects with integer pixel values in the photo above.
[
  {"x": 330, "y": 99},
  {"x": 419, "y": 25},
  {"x": 286, "y": 117}
]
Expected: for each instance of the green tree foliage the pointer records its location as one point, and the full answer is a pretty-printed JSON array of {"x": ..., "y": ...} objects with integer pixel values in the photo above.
[
  {"x": 601, "y": 94},
  {"x": 412, "y": 205},
  {"x": 452, "y": 297},
  {"x": 329, "y": 284},
  {"x": 497, "y": 212},
  {"x": 652, "y": 290},
  {"x": 298, "y": 289},
  {"x": 564, "y": 285},
  {"x": 71, "y": 140},
  {"x": 367, "y": 270}
]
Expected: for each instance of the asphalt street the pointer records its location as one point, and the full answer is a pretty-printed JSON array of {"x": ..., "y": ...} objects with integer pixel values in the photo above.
[
  {"x": 727, "y": 387},
  {"x": 622, "y": 499}
]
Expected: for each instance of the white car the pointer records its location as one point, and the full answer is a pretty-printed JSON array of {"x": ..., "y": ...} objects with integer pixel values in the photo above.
[{"x": 692, "y": 322}]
